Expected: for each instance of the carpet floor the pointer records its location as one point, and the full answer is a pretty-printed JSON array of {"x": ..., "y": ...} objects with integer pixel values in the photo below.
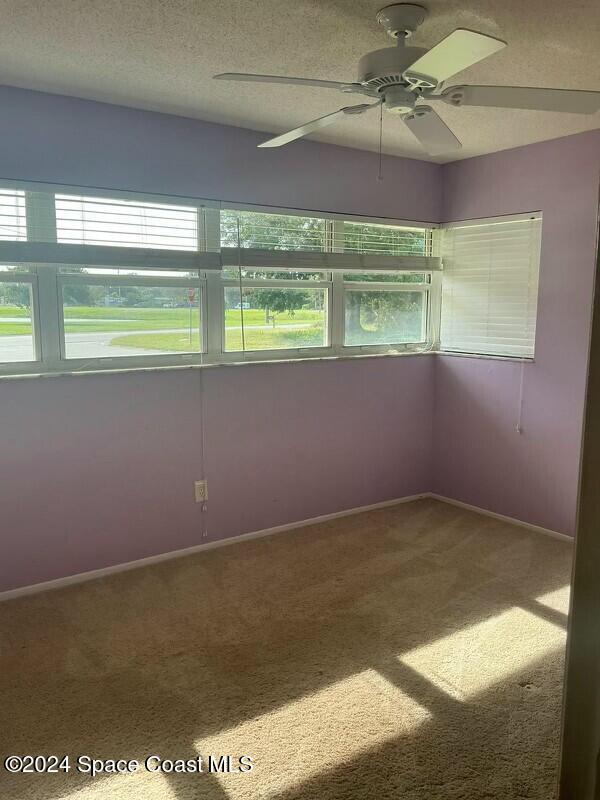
[{"x": 414, "y": 652}]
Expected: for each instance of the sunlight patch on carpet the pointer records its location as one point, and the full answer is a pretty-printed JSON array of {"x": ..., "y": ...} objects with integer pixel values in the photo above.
[
  {"x": 316, "y": 733},
  {"x": 558, "y": 600},
  {"x": 482, "y": 655}
]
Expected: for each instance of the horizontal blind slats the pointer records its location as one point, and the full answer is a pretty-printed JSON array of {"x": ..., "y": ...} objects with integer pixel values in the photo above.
[
  {"x": 125, "y": 223},
  {"x": 13, "y": 218},
  {"x": 489, "y": 290}
]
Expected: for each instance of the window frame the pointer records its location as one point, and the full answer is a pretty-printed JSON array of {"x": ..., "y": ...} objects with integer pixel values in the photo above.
[
  {"x": 94, "y": 279},
  {"x": 383, "y": 287},
  {"x": 276, "y": 283},
  {"x": 27, "y": 276},
  {"x": 48, "y": 279}
]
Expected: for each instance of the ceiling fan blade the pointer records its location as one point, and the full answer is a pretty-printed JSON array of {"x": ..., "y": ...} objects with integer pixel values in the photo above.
[
  {"x": 315, "y": 124},
  {"x": 459, "y": 50},
  {"x": 431, "y": 130},
  {"x": 242, "y": 76},
  {"x": 573, "y": 101}
]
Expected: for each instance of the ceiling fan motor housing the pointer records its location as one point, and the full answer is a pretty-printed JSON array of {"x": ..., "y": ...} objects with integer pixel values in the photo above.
[
  {"x": 383, "y": 68},
  {"x": 399, "y": 100}
]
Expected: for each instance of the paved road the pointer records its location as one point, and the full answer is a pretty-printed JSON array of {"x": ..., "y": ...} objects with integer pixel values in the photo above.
[
  {"x": 79, "y": 345},
  {"x": 98, "y": 345}
]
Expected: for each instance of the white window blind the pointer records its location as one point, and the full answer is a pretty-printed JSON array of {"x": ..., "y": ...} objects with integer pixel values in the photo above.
[
  {"x": 13, "y": 220},
  {"x": 490, "y": 286},
  {"x": 108, "y": 221},
  {"x": 393, "y": 240},
  {"x": 299, "y": 242},
  {"x": 272, "y": 231}
]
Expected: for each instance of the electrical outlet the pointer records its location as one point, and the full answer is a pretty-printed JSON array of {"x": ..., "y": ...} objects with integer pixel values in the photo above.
[{"x": 201, "y": 491}]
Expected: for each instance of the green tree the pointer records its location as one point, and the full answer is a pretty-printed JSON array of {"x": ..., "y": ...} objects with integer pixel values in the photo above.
[
  {"x": 274, "y": 232},
  {"x": 77, "y": 294},
  {"x": 278, "y": 301},
  {"x": 366, "y": 312},
  {"x": 16, "y": 294}
]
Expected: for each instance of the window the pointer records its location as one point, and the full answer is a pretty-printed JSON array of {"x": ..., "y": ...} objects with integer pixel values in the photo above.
[
  {"x": 90, "y": 281},
  {"x": 17, "y": 343},
  {"x": 99, "y": 280},
  {"x": 107, "y": 318},
  {"x": 394, "y": 240},
  {"x": 106, "y": 221},
  {"x": 490, "y": 286},
  {"x": 385, "y": 308},
  {"x": 276, "y": 310},
  {"x": 272, "y": 231},
  {"x": 13, "y": 219}
]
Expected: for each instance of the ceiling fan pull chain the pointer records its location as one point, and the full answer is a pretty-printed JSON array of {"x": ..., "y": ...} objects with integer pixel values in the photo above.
[{"x": 380, "y": 173}]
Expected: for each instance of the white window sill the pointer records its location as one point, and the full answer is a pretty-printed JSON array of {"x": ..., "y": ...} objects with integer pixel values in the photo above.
[
  {"x": 176, "y": 367},
  {"x": 513, "y": 359}
]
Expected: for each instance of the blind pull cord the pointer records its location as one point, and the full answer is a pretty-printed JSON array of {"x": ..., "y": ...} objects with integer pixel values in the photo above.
[
  {"x": 519, "y": 426},
  {"x": 239, "y": 244}
]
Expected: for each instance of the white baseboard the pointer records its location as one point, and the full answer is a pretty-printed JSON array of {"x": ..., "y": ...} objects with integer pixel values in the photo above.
[
  {"x": 528, "y": 525},
  {"x": 81, "y": 577}
]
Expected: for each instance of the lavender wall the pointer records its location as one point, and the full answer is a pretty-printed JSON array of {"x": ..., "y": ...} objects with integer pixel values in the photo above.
[
  {"x": 60, "y": 139},
  {"x": 478, "y": 456},
  {"x": 97, "y": 470}
]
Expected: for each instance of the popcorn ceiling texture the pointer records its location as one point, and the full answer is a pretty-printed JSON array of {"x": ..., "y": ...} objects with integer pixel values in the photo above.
[
  {"x": 414, "y": 652},
  {"x": 161, "y": 55}
]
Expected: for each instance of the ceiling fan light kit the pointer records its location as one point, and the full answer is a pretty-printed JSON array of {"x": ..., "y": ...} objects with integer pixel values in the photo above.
[{"x": 398, "y": 78}]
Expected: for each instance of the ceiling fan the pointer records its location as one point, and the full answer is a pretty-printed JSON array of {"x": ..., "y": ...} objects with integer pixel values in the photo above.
[{"x": 402, "y": 77}]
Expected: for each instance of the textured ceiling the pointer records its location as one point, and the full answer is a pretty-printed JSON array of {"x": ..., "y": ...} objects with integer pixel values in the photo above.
[{"x": 161, "y": 54}]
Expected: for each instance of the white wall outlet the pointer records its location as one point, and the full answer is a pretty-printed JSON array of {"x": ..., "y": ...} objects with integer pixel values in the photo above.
[{"x": 201, "y": 491}]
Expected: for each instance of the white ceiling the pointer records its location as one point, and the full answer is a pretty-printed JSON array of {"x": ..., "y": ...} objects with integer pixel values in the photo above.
[{"x": 161, "y": 54}]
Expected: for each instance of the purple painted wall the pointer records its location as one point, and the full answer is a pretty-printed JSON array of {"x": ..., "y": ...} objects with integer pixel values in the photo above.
[
  {"x": 61, "y": 139},
  {"x": 97, "y": 470},
  {"x": 478, "y": 456}
]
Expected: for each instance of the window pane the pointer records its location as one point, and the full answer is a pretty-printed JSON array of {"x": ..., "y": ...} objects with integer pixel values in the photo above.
[
  {"x": 387, "y": 277},
  {"x": 16, "y": 325},
  {"x": 15, "y": 268},
  {"x": 362, "y": 237},
  {"x": 275, "y": 318},
  {"x": 126, "y": 223},
  {"x": 149, "y": 273},
  {"x": 13, "y": 222},
  {"x": 113, "y": 321},
  {"x": 232, "y": 273},
  {"x": 380, "y": 317},
  {"x": 272, "y": 231}
]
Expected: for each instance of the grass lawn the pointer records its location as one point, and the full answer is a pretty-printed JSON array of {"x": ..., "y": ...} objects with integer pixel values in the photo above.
[
  {"x": 15, "y": 328},
  {"x": 103, "y": 319},
  {"x": 13, "y": 311},
  {"x": 271, "y": 339}
]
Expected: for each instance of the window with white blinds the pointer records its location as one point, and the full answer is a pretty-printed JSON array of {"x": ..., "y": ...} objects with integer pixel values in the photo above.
[
  {"x": 13, "y": 220},
  {"x": 109, "y": 221},
  {"x": 105, "y": 280},
  {"x": 490, "y": 286}
]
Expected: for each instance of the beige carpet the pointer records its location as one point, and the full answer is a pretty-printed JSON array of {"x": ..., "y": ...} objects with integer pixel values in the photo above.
[{"x": 414, "y": 652}]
